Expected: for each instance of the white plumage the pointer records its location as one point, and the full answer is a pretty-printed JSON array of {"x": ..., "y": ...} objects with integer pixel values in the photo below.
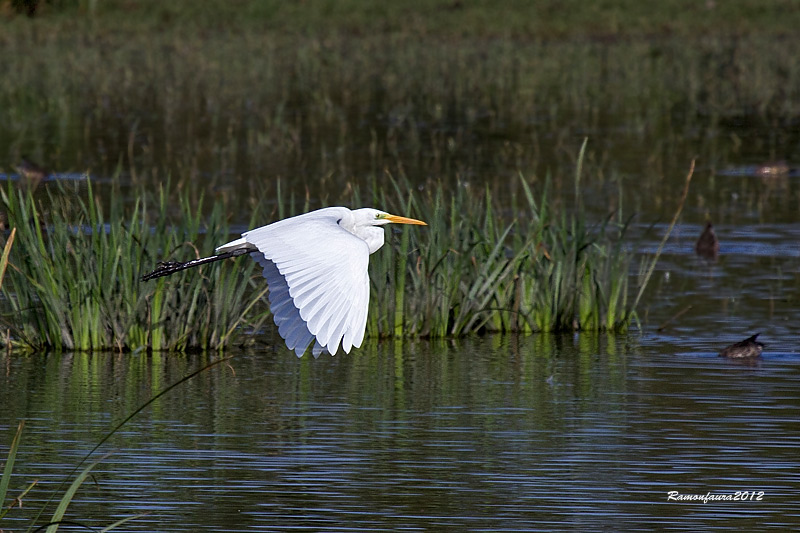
[{"x": 316, "y": 268}]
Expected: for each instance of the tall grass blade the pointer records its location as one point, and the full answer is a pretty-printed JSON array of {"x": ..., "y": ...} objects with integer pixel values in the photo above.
[
  {"x": 400, "y": 283},
  {"x": 122, "y": 521},
  {"x": 9, "y": 468},
  {"x": 6, "y": 252},
  {"x": 58, "y": 515},
  {"x": 677, "y": 214}
]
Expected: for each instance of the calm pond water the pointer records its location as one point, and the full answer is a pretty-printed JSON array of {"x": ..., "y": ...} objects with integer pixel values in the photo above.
[{"x": 494, "y": 434}]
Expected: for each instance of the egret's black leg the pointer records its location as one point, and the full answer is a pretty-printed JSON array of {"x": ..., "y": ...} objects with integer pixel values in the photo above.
[{"x": 166, "y": 268}]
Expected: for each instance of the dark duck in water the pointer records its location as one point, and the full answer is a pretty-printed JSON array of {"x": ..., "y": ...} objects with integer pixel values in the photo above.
[
  {"x": 747, "y": 348},
  {"x": 707, "y": 245}
]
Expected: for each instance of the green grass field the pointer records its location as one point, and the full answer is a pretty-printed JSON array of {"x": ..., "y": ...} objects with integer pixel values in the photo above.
[{"x": 545, "y": 19}]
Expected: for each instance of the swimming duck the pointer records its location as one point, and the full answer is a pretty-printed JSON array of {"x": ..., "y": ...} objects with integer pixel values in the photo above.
[
  {"x": 747, "y": 348},
  {"x": 707, "y": 245}
]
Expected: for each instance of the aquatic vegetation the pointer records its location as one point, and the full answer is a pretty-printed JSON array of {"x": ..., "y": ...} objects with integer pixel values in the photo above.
[
  {"x": 479, "y": 269},
  {"x": 8, "y": 470},
  {"x": 72, "y": 280},
  {"x": 456, "y": 118}
]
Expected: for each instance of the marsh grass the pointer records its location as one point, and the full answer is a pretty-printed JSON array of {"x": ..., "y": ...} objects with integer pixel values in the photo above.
[
  {"x": 322, "y": 110},
  {"x": 475, "y": 270},
  {"x": 72, "y": 281},
  {"x": 478, "y": 18},
  {"x": 8, "y": 470},
  {"x": 73, "y": 276}
]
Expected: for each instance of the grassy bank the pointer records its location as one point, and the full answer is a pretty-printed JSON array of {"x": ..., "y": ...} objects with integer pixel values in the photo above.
[
  {"x": 474, "y": 18},
  {"x": 232, "y": 115},
  {"x": 74, "y": 268},
  {"x": 479, "y": 271},
  {"x": 235, "y": 105}
]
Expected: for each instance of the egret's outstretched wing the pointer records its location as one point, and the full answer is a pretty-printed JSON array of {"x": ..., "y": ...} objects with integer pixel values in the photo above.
[{"x": 318, "y": 281}]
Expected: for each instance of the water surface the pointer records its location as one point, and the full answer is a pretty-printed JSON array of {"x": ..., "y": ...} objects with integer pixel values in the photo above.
[{"x": 493, "y": 434}]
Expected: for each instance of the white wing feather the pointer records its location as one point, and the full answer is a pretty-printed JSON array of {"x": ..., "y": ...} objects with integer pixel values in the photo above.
[{"x": 318, "y": 281}]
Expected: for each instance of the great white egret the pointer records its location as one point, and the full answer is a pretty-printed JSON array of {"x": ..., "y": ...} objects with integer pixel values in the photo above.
[{"x": 316, "y": 269}]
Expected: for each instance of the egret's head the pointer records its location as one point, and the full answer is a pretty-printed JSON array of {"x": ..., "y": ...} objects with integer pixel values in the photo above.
[
  {"x": 365, "y": 223},
  {"x": 379, "y": 218}
]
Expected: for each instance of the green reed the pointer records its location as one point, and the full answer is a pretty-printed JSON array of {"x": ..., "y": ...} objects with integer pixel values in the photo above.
[
  {"x": 477, "y": 269},
  {"x": 73, "y": 276}
]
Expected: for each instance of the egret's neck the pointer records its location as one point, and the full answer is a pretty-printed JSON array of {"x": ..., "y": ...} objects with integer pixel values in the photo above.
[
  {"x": 373, "y": 235},
  {"x": 363, "y": 228}
]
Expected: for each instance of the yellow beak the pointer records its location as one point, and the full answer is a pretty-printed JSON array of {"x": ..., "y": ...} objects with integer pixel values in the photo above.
[{"x": 404, "y": 220}]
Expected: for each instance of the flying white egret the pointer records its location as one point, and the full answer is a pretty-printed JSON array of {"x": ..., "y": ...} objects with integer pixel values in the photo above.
[{"x": 316, "y": 269}]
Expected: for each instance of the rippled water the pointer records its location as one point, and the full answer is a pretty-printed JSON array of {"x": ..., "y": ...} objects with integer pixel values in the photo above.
[
  {"x": 752, "y": 287},
  {"x": 494, "y": 434}
]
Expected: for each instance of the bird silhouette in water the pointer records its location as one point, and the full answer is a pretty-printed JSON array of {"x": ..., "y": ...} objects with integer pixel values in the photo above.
[
  {"x": 748, "y": 348},
  {"x": 707, "y": 245}
]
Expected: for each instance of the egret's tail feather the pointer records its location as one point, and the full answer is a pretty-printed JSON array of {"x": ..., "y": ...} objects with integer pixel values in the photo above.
[{"x": 165, "y": 268}]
